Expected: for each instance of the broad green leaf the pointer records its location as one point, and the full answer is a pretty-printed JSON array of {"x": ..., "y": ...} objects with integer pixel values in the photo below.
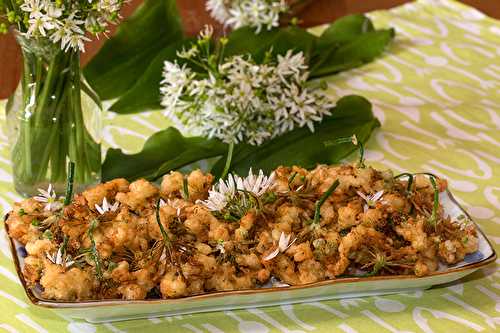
[
  {"x": 362, "y": 49},
  {"x": 164, "y": 151},
  {"x": 168, "y": 150},
  {"x": 351, "y": 115},
  {"x": 125, "y": 57},
  {"x": 145, "y": 94},
  {"x": 245, "y": 41},
  {"x": 345, "y": 29}
]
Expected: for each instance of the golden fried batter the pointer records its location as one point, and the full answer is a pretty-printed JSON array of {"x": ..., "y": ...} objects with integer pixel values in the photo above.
[{"x": 108, "y": 242}]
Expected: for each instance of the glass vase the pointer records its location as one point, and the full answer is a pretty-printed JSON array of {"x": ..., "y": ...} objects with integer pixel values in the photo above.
[{"x": 52, "y": 118}]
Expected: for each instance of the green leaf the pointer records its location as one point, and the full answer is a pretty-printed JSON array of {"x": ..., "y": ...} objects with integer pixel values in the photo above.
[
  {"x": 168, "y": 150},
  {"x": 360, "y": 50},
  {"x": 245, "y": 41},
  {"x": 145, "y": 94},
  {"x": 345, "y": 29},
  {"x": 351, "y": 115},
  {"x": 164, "y": 151},
  {"x": 125, "y": 57}
]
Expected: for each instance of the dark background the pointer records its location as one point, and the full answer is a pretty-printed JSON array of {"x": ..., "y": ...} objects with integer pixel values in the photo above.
[{"x": 195, "y": 17}]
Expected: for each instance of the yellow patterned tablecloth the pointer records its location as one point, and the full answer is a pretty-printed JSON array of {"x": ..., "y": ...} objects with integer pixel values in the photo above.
[{"x": 437, "y": 94}]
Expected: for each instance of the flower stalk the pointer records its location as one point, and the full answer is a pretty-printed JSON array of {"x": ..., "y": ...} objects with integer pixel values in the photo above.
[
  {"x": 229, "y": 157},
  {"x": 433, "y": 219},
  {"x": 48, "y": 124},
  {"x": 94, "y": 254},
  {"x": 321, "y": 201},
  {"x": 70, "y": 184},
  {"x": 354, "y": 140}
]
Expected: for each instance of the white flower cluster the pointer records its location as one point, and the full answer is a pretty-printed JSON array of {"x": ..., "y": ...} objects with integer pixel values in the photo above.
[
  {"x": 67, "y": 22},
  {"x": 49, "y": 199},
  {"x": 240, "y": 100},
  {"x": 225, "y": 192},
  {"x": 242, "y": 13}
]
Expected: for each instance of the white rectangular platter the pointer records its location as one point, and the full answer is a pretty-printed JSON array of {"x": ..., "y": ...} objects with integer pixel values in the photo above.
[{"x": 115, "y": 310}]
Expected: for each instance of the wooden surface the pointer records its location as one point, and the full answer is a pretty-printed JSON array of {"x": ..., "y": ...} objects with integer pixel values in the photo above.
[{"x": 195, "y": 17}]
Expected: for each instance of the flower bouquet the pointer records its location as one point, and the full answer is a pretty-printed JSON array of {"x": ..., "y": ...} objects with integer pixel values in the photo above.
[
  {"x": 244, "y": 100},
  {"x": 54, "y": 116},
  {"x": 258, "y": 14}
]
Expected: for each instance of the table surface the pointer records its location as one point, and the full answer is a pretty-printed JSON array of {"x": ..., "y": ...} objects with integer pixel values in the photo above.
[
  {"x": 436, "y": 92},
  {"x": 195, "y": 17}
]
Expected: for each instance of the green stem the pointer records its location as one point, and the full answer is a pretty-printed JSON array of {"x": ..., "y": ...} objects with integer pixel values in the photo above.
[
  {"x": 228, "y": 160},
  {"x": 435, "y": 207},
  {"x": 84, "y": 141},
  {"x": 410, "y": 181},
  {"x": 321, "y": 201},
  {"x": 353, "y": 140},
  {"x": 69, "y": 185},
  {"x": 52, "y": 131},
  {"x": 164, "y": 234},
  {"x": 26, "y": 126},
  {"x": 93, "y": 249},
  {"x": 53, "y": 71},
  {"x": 185, "y": 188}
]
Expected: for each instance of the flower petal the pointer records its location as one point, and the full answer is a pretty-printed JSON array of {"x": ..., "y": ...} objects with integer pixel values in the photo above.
[
  {"x": 362, "y": 195},
  {"x": 377, "y": 195},
  {"x": 272, "y": 254}
]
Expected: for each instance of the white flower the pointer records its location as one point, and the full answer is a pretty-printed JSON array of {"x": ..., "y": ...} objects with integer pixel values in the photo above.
[
  {"x": 187, "y": 54},
  {"x": 224, "y": 192},
  {"x": 66, "y": 22},
  {"x": 175, "y": 80},
  {"x": 49, "y": 197},
  {"x": 106, "y": 207},
  {"x": 291, "y": 64},
  {"x": 220, "y": 194},
  {"x": 240, "y": 100},
  {"x": 283, "y": 245},
  {"x": 370, "y": 200},
  {"x": 109, "y": 5},
  {"x": 58, "y": 258},
  {"x": 257, "y": 185},
  {"x": 217, "y": 9},
  {"x": 39, "y": 25},
  {"x": 76, "y": 42},
  {"x": 253, "y": 13},
  {"x": 33, "y": 7}
]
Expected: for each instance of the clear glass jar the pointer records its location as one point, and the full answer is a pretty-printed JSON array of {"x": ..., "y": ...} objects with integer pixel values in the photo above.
[{"x": 52, "y": 118}]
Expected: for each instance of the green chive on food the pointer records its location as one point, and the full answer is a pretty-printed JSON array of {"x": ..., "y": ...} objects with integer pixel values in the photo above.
[
  {"x": 354, "y": 140},
  {"x": 321, "y": 201}
]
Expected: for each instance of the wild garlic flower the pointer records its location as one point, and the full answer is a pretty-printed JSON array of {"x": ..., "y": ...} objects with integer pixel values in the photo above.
[
  {"x": 242, "y": 13},
  {"x": 283, "y": 245},
  {"x": 106, "y": 207},
  {"x": 237, "y": 100},
  {"x": 220, "y": 194},
  {"x": 66, "y": 22},
  {"x": 370, "y": 200},
  {"x": 258, "y": 185},
  {"x": 49, "y": 198},
  {"x": 235, "y": 195},
  {"x": 59, "y": 258}
]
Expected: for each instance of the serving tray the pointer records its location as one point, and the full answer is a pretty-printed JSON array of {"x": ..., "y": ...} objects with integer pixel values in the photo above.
[{"x": 115, "y": 310}]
